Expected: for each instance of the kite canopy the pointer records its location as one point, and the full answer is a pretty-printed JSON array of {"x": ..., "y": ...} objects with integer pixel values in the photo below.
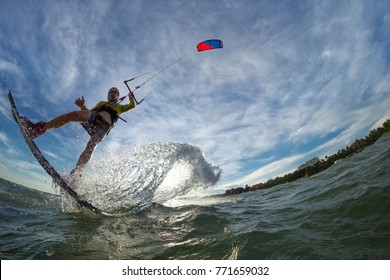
[{"x": 210, "y": 45}]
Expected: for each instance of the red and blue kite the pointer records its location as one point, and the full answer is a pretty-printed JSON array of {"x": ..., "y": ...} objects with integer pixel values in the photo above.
[{"x": 210, "y": 45}]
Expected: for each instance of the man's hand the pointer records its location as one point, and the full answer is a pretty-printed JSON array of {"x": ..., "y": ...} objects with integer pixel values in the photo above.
[
  {"x": 131, "y": 95},
  {"x": 80, "y": 102}
]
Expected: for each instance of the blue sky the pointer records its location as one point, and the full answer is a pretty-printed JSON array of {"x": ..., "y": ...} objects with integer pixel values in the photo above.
[{"x": 295, "y": 79}]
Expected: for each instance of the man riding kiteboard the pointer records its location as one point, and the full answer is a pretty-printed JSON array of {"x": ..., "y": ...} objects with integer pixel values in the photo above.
[{"x": 98, "y": 122}]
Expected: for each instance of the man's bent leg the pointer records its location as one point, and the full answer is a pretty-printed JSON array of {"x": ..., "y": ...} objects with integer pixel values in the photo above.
[
  {"x": 40, "y": 128},
  {"x": 75, "y": 116}
]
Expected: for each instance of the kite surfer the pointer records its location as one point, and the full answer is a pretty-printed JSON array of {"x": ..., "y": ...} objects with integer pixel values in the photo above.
[{"x": 98, "y": 122}]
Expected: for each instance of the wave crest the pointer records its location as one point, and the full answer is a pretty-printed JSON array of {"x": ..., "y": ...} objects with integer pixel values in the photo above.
[{"x": 128, "y": 180}]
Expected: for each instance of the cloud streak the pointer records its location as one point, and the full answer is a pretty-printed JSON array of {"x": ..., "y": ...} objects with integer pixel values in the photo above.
[{"x": 293, "y": 79}]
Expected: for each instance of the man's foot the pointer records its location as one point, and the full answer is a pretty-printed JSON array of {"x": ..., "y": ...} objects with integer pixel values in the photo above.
[
  {"x": 75, "y": 173},
  {"x": 74, "y": 178},
  {"x": 33, "y": 130}
]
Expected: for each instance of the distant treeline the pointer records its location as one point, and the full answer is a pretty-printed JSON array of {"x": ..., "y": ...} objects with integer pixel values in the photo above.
[{"x": 321, "y": 165}]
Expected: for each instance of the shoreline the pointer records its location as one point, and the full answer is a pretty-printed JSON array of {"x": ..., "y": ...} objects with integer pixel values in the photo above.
[{"x": 309, "y": 170}]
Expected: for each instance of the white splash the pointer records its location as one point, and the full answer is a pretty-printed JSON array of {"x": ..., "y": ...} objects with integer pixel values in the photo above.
[{"x": 128, "y": 180}]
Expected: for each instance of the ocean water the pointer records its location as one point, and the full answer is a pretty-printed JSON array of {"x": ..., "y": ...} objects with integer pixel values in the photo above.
[{"x": 162, "y": 212}]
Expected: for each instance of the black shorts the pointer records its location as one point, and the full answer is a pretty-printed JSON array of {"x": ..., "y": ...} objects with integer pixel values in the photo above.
[{"x": 97, "y": 125}]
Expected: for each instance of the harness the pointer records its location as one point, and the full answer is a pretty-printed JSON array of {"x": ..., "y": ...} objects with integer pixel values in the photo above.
[
  {"x": 113, "y": 113},
  {"x": 97, "y": 124}
]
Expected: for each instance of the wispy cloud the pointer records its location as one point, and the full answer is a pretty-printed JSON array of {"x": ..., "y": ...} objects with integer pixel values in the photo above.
[{"x": 293, "y": 79}]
